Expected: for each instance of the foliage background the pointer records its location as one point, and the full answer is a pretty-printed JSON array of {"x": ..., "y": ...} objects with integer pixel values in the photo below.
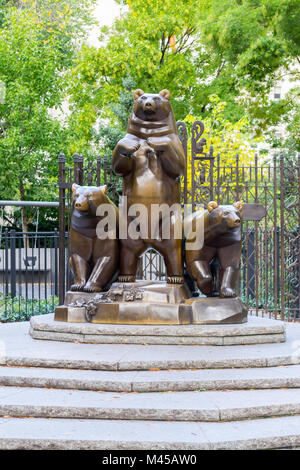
[{"x": 219, "y": 60}]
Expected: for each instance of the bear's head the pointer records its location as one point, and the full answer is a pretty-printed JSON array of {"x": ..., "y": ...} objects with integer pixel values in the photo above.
[
  {"x": 229, "y": 216},
  {"x": 152, "y": 107},
  {"x": 88, "y": 197}
]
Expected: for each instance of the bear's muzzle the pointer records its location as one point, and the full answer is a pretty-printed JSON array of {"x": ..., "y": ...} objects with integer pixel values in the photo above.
[{"x": 233, "y": 221}]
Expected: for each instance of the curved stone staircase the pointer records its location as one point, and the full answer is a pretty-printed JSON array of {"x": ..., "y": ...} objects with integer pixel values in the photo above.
[{"x": 162, "y": 396}]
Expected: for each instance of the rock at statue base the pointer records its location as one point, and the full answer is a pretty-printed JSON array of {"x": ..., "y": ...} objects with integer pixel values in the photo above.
[
  {"x": 216, "y": 310},
  {"x": 149, "y": 303}
]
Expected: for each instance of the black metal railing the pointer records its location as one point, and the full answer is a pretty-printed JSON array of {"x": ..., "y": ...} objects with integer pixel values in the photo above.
[
  {"x": 29, "y": 266},
  {"x": 29, "y": 272}
]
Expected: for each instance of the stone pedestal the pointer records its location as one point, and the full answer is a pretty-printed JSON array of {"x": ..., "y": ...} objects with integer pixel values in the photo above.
[{"x": 149, "y": 303}]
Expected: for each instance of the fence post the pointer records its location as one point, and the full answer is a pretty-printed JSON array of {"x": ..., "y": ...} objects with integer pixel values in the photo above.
[
  {"x": 197, "y": 148},
  {"x": 78, "y": 168},
  {"x": 182, "y": 133},
  {"x": 256, "y": 238},
  {"x": 6, "y": 265},
  {"x": 298, "y": 228},
  {"x": 56, "y": 235},
  {"x": 13, "y": 263},
  {"x": 237, "y": 190},
  {"x": 211, "y": 173},
  {"x": 282, "y": 266},
  {"x": 105, "y": 169},
  {"x": 62, "y": 226},
  {"x": 218, "y": 178},
  {"x": 275, "y": 235},
  {"x": 251, "y": 265},
  {"x": 98, "y": 170}
]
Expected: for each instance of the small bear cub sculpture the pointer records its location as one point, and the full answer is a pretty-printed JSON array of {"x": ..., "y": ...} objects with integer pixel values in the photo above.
[
  {"x": 93, "y": 261},
  {"x": 222, "y": 241}
]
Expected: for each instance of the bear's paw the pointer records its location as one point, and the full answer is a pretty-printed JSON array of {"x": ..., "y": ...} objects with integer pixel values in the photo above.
[
  {"x": 227, "y": 292},
  {"x": 126, "y": 278},
  {"x": 175, "y": 279}
]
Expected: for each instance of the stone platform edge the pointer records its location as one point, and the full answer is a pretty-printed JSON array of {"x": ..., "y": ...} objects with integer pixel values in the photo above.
[{"x": 255, "y": 331}]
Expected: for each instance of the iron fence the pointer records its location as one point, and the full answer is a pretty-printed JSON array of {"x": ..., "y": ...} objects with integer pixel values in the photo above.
[
  {"x": 270, "y": 267},
  {"x": 28, "y": 274}
]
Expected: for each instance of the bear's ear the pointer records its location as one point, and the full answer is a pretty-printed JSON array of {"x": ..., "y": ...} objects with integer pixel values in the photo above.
[
  {"x": 103, "y": 189},
  {"x": 212, "y": 205},
  {"x": 165, "y": 93},
  {"x": 75, "y": 187},
  {"x": 137, "y": 93},
  {"x": 238, "y": 205}
]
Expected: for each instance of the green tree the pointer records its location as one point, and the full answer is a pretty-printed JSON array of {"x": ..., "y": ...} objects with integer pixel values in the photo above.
[
  {"x": 37, "y": 45},
  {"x": 137, "y": 47},
  {"x": 256, "y": 43},
  {"x": 234, "y": 49}
]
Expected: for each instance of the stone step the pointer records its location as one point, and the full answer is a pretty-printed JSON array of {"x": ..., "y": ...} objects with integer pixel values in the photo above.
[
  {"x": 17, "y": 348},
  {"x": 145, "y": 359},
  {"x": 255, "y": 331},
  {"x": 160, "y": 406},
  {"x": 152, "y": 381},
  {"x": 93, "y": 434}
]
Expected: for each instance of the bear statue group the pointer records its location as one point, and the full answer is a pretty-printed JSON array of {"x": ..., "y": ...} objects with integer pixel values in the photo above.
[{"x": 150, "y": 159}]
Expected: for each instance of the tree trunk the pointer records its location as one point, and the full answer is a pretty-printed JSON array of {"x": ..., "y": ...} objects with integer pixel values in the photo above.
[
  {"x": 25, "y": 223},
  {"x": 25, "y": 220}
]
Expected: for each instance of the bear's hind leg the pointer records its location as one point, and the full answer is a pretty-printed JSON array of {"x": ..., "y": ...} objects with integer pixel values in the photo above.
[
  {"x": 172, "y": 254},
  {"x": 129, "y": 258},
  {"x": 199, "y": 268},
  {"x": 102, "y": 273},
  {"x": 204, "y": 277},
  {"x": 229, "y": 277},
  {"x": 229, "y": 258},
  {"x": 81, "y": 270}
]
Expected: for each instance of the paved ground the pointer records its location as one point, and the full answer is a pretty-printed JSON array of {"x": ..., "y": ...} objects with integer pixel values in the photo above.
[
  {"x": 126, "y": 435},
  {"x": 177, "y": 406},
  {"x": 124, "y": 396},
  {"x": 254, "y": 331},
  {"x": 18, "y": 348}
]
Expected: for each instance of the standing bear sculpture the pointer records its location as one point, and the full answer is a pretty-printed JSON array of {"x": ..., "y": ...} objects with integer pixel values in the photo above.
[
  {"x": 150, "y": 159},
  {"x": 221, "y": 241}
]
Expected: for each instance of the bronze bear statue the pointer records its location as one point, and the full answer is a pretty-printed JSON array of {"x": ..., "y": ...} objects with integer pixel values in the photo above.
[
  {"x": 93, "y": 261},
  {"x": 222, "y": 241},
  {"x": 150, "y": 159}
]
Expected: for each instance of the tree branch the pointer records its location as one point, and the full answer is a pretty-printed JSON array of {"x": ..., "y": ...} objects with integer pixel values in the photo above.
[
  {"x": 184, "y": 39},
  {"x": 164, "y": 46},
  {"x": 181, "y": 44},
  {"x": 221, "y": 65}
]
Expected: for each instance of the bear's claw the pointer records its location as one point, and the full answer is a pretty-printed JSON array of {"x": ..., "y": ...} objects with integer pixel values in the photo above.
[
  {"x": 175, "y": 279},
  {"x": 126, "y": 278},
  {"x": 227, "y": 292},
  {"x": 91, "y": 288},
  {"x": 77, "y": 287}
]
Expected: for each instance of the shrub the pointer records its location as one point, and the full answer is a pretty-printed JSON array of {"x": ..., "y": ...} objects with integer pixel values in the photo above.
[{"x": 13, "y": 309}]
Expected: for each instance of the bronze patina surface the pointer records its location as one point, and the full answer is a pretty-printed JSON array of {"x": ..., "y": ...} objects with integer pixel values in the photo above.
[
  {"x": 92, "y": 260},
  {"x": 149, "y": 303},
  {"x": 150, "y": 159},
  {"x": 139, "y": 302},
  {"x": 216, "y": 310},
  {"x": 222, "y": 241}
]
